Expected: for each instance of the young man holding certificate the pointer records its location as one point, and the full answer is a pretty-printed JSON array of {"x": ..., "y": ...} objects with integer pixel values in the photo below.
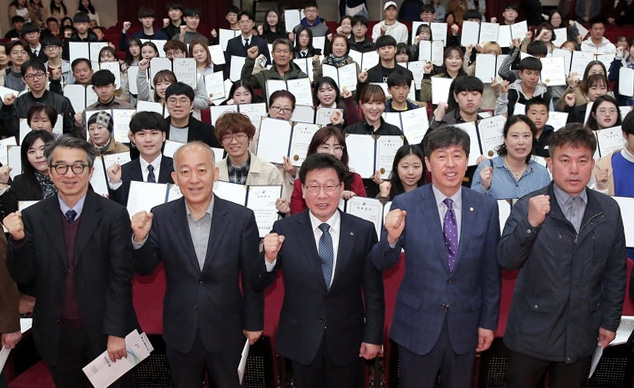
[
  {"x": 333, "y": 307},
  {"x": 148, "y": 134},
  {"x": 207, "y": 245}
]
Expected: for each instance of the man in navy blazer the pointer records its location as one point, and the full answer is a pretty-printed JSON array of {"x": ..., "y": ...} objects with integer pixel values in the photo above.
[
  {"x": 333, "y": 305},
  {"x": 238, "y": 46},
  {"x": 207, "y": 245},
  {"x": 447, "y": 304},
  {"x": 148, "y": 134}
]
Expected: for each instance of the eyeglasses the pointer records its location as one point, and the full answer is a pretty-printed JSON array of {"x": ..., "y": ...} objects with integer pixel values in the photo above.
[
  {"x": 604, "y": 111},
  {"x": 327, "y": 148},
  {"x": 49, "y": 48},
  {"x": 315, "y": 189},
  {"x": 76, "y": 168},
  {"x": 180, "y": 101},
  {"x": 281, "y": 109},
  {"x": 32, "y": 76},
  {"x": 239, "y": 137},
  {"x": 171, "y": 53}
]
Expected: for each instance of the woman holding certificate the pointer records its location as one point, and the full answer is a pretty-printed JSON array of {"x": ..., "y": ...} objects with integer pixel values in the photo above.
[
  {"x": 513, "y": 173},
  {"x": 408, "y": 173},
  {"x": 337, "y": 65},
  {"x": 604, "y": 114},
  {"x": 453, "y": 59},
  {"x": 329, "y": 140},
  {"x": 328, "y": 97}
]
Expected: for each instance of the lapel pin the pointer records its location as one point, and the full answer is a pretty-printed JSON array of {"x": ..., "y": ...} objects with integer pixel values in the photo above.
[
  {"x": 471, "y": 209},
  {"x": 352, "y": 233}
]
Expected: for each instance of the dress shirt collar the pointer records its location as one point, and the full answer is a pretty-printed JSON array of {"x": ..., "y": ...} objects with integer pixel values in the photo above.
[
  {"x": 156, "y": 163},
  {"x": 563, "y": 197},
  {"x": 209, "y": 211},
  {"x": 79, "y": 206},
  {"x": 440, "y": 197},
  {"x": 334, "y": 222}
]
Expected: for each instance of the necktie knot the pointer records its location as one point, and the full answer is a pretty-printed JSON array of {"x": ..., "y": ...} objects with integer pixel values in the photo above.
[
  {"x": 324, "y": 227},
  {"x": 70, "y": 215},
  {"x": 449, "y": 203},
  {"x": 246, "y": 43}
]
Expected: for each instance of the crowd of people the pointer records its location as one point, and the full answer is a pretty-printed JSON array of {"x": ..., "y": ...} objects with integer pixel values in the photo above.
[{"x": 72, "y": 255}]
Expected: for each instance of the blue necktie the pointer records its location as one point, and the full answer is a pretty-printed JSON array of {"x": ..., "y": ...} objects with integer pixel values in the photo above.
[
  {"x": 450, "y": 232},
  {"x": 326, "y": 253},
  {"x": 150, "y": 174},
  {"x": 70, "y": 215}
]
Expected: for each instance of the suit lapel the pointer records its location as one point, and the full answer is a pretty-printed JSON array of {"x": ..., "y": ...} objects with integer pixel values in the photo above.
[
  {"x": 344, "y": 250},
  {"x": 469, "y": 214},
  {"x": 434, "y": 224},
  {"x": 311, "y": 255},
  {"x": 181, "y": 229},
  {"x": 219, "y": 221},
  {"x": 165, "y": 174},
  {"x": 135, "y": 170},
  {"x": 56, "y": 230},
  {"x": 89, "y": 220}
]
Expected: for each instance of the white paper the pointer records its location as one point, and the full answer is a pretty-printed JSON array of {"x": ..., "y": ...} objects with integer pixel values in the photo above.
[
  {"x": 322, "y": 115},
  {"x": 415, "y": 25},
  {"x": 386, "y": 147},
  {"x": 519, "y": 29},
  {"x": 505, "y": 38},
  {"x": 504, "y": 210},
  {"x": 226, "y": 35},
  {"x": 157, "y": 64},
  {"x": 261, "y": 199},
  {"x": 566, "y": 55},
  {"x": 369, "y": 209},
  {"x": 489, "y": 32},
  {"x": 243, "y": 361},
  {"x": 300, "y": 88},
  {"x": 424, "y": 50},
  {"x": 77, "y": 96},
  {"x": 4, "y": 355},
  {"x": 214, "y": 85},
  {"x": 361, "y": 154},
  {"x": 171, "y": 147},
  {"x": 437, "y": 52},
  {"x": 4, "y": 91},
  {"x": 471, "y": 130},
  {"x": 149, "y": 106},
  {"x": 439, "y": 32},
  {"x": 121, "y": 124},
  {"x": 273, "y": 85},
  {"x": 418, "y": 71},
  {"x": 415, "y": 124},
  {"x": 231, "y": 192},
  {"x": 292, "y": 18},
  {"x": 470, "y": 33},
  {"x": 14, "y": 159},
  {"x": 553, "y": 71},
  {"x": 319, "y": 42},
  {"x": 145, "y": 196},
  {"x": 370, "y": 59},
  {"x": 133, "y": 72},
  {"x": 302, "y": 136},
  {"x": 579, "y": 62},
  {"x": 491, "y": 134},
  {"x": 440, "y": 89},
  {"x": 218, "y": 110},
  {"x": 4, "y": 143},
  {"x": 120, "y": 158},
  {"x": 274, "y": 140},
  {"x": 95, "y": 48},
  {"x": 114, "y": 68},
  {"x": 561, "y": 35},
  {"x": 596, "y": 357},
  {"x": 217, "y": 54},
  {"x": 609, "y": 140},
  {"x": 626, "y": 81},
  {"x": 485, "y": 67},
  {"x": 99, "y": 179},
  {"x": 78, "y": 50},
  {"x": 185, "y": 71},
  {"x": 304, "y": 114},
  {"x": 624, "y": 330},
  {"x": 557, "y": 119},
  {"x": 627, "y": 209},
  {"x": 255, "y": 112}
]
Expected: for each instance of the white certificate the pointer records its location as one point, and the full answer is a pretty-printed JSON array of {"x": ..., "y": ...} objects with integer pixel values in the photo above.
[
  {"x": 4, "y": 144},
  {"x": 361, "y": 154},
  {"x": 304, "y": 114},
  {"x": 627, "y": 207},
  {"x": 99, "y": 179},
  {"x": 319, "y": 42},
  {"x": 14, "y": 159},
  {"x": 566, "y": 55},
  {"x": 470, "y": 33},
  {"x": 150, "y": 106},
  {"x": 491, "y": 134},
  {"x": 504, "y": 36},
  {"x": 4, "y": 91},
  {"x": 386, "y": 147},
  {"x": 274, "y": 140},
  {"x": 415, "y": 124},
  {"x": 216, "y": 111},
  {"x": 226, "y": 35},
  {"x": 471, "y": 130},
  {"x": 157, "y": 64},
  {"x": 440, "y": 89},
  {"x": 323, "y": 115},
  {"x": 170, "y": 147},
  {"x": 77, "y": 96},
  {"x": 292, "y": 18},
  {"x": 418, "y": 71},
  {"x": 133, "y": 72},
  {"x": 557, "y": 119},
  {"x": 261, "y": 199},
  {"x": 121, "y": 124},
  {"x": 95, "y": 48},
  {"x": 437, "y": 52},
  {"x": 25, "y": 205},
  {"x": 185, "y": 71},
  {"x": 609, "y": 140},
  {"x": 519, "y": 29},
  {"x": 217, "y": 54},
  {"x": 302, "y": 135},
  {"x": 235, "y": 70},
  {"x": 231, "y": 192},
  {"x": 393, "y": 118},
  {"x": 485, "y": 67},
  {"x": 370, "y": 59},
  {"x": 561, "y": 35},
  {"x": 145, "y": 196},
  {"x": 580, "y": 60},
  {"x": 332, "y": 72},
  {"x": 348, "y": 77},
  {"x": 215, "y": 85},
  {"x": 553, "y": 71},
  {"x": 303, "y": 64},
  {"x": 504, "y": 210},
  {"x": 102, "y": 372},
  {"x": 273, "y": 85},
  {"x": 254, "y": 112},
  {"x": 114, "y": 68},
  {"x": 370, "y": 209},
  {"x": 424, "y": 50},
  {"x": 243, "y": 361},
  {"x": 78, "y": 50},
  {"x": 626, "y": 81},
  {"x": 120, "y": 158},
  {"x": 439, "y": 32},
  {"x": 300, "y": 88},
  {"x": 489, "y": 32}
]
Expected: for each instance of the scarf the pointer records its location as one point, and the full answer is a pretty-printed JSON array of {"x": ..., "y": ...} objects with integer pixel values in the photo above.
[
  {"x": 334, "y": 61},
  {"x": 47, "y": 186}
]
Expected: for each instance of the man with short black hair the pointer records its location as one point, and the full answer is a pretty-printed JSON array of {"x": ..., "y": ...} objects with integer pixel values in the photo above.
[
  {"x": 55, "y": 65},
  {"x": 146, "y": 18},
  {"x": 359, "y": 41},
  {"x": 189, "y": 31},
  {"x": 103, "y": 84},
  {"x": 239, "y": 45},
  {"x": 312, "y": 20},
  {"x": 465, "y": 103},
  {"x": 82, "y": 71},
  {"x": 171, "y": 24},
  {"x": 597, "y": 42},
  {"x": 31, "y": 35},
  {"x": 386, "y": 48}
]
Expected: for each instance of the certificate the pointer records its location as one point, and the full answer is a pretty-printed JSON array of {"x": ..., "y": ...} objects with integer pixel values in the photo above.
[
  {"x": 627, "y": 207},
  {"x": 319, "y": 42},
  {"x": 149, "y": 106},
  {"x": 254, "y": 112},
  {"x": 145, "y": 196},
  {"x": 185, "y": 71},
  {"x": 557, "y": 119},
  {"x": 4, "y": 144},
  {"x": 217, "y": 54},
  {"x": 302, "y": 135},
  {"x": 121, "y": 124},
  {"x": 77, "y": 96},
  {"x": 418, "y": 71},
  {"x": 274, "y": 139},
  {"x": 560, "y": 36},
  {"x": 157, "y": 64},
  {"x": 414, "y": 124},
  {"x": 323, "y": 115},
  {"x": 491, "y": 134},
  {"x": 273, "y": 85},
  {"x": 292, "y": 18},
  {"x": 566, "y": 55},
  {"x": 489, "y": 32},
  {"x": 361, "y": 154},
  {"x": 580, "y": 60},
  {"x": 609, "y": 140},
  {"x": 133, "y": 73},
  {"x": 370, "y": 209},
  {"x": 14, "y": 159},
  {"x": 553, "y": 71},
  {"x": 226, "y": 35},
  {"x": 215, "y": 85},
  {"x": 626, "y": 81},
  {"x": 470, "y": 33},
  {"x": 386, "y": 147},
  {"x": 170, "y": 148},
  {"x": 102, "y": 372},
  {"x": 440, "y": 89},
  {"x": 95, "y": 48},
  {"x": 304, "y": 114},
  {"x": 519, "y": 29},
  {"x": 504, "y": 209},
  {"x": 231, "y": 192},
  {"x": 439, "y": 32},
  {"x": 235, "y": 70},
  {"x": 120, "y": 158},
  {"x": 78, "y": 50},
  {"x": 485, "y": 67},
  {"x": 348, "y": 77},
  {"x": 114, "y": 68},
  {"x": 300, "y": 88},
  {"x": 99, "y": 179},
  {"x": 471, "y": 130},
  {"x": 424, "y": 50},
  {"x": 505, "y": 39},
  {"x": 261, "y": 199},
  {"x": 216, "y": 111}
]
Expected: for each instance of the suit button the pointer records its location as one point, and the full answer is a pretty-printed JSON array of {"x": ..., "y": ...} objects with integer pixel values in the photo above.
[
  {"x": 449, "y": 281},
  {"x": 200, "y": 282},
  {"x": 536, "y": 306}
]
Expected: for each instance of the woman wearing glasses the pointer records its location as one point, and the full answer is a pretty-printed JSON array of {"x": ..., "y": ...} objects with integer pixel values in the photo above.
[
  {"x": 604, "y": 114},
  {"x": 329, "y": 140}
]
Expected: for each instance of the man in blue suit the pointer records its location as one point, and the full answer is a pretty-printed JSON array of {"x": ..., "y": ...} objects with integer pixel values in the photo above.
[
  {"x": 448, "y": 302},
  {"x": 207, "y": 245},
  {"x": 333, "y": 305}
]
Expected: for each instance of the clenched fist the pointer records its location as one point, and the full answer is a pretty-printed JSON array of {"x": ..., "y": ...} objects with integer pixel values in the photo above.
[
  {"x": 15, "y": 226},
  {"x": 272, "y": 244},
  {"x": 141, "y": 225},
  {"x": 538, "y": 208},
  {"x": 394, "y": 224}
]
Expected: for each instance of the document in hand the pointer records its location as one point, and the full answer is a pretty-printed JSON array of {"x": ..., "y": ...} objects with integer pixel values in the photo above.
[
  {"x": 609, "y": 140},
  {"x": 280, "y": 138},
  {"x": 370, "y": 153},
  {"x": 102, "y": 372},
  {"x": 370, "y": 209},
  {"x": 145, "y": 195}
]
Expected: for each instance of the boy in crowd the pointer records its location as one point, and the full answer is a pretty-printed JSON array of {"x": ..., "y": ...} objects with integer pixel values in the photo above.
[
  {"x": 239, "y": 45},
  {"x": 103, "y": 84},
  {"x": 17, "y": 22},
  {"x": 147, "y": 131},
  {"x": 465, "y": 105},
  {"x": 313, "y": 21},
  {"x": 146, "y": 18},
  {"x": 359, "y": 40},
  {"x": 81, "y": 22},
  {"x": 31, "y": 35},
  {"x": 53, "y": 47},
  {"x": 82, "y": 71},
  {"x": 172, "y": 24},
  {"x": 427, "y": 13},
  {"x": 508, "y": 69},
  {"x": 537, "y": 112},
  {"x": 398, "y": 85},
  {"x": 522, "y": 90},
  {"x": 386, "y": 47},
  {"x": 390, "y": 26},
  {"x": 189, "y": 31},
  {"x": 597, "y": 43}
]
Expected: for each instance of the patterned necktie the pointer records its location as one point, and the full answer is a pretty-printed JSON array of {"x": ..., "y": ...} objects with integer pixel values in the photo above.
[
  {"x": 450, "y": 232},
  {"x": 150, "y": 174},
  {"x": 70, "y": 215},
  {"x": 326, "y": 253}
]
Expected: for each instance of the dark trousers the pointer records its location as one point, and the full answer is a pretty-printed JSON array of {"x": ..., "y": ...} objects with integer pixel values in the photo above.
[
  {"x": 527, "y": 372},
  {"x": 323, "y": 373},
  {"x": 188, "y": 369},
  {"x": 420, "y": 371},
  {"x": 74, "y": 354}
]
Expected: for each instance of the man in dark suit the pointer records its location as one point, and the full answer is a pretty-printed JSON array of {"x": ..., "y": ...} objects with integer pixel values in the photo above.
[
  {"x": 75, "y": 247},
  {"x": 182, "y": 126},
  {"x": 9, "y": 302},
  {"x": 447, "y": 305},
  {"x": 148, "y": 134},
  {"x": 238, "y": 46},
  {"x": 333, "y": 305},
  {"x": 31, "y": 35},
  {"x": 206, "y": 245}
]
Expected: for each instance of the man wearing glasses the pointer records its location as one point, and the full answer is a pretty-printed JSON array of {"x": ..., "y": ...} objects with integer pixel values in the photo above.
[
  {"x": 333, "y": 305},
  {"x": 75, "y": 247},
  {"x": 183, "y": 127},
  {"x": 35, "y": 75}
]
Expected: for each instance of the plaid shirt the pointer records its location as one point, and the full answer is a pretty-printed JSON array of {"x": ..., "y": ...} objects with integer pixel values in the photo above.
[{"x": 238, "y": 174}]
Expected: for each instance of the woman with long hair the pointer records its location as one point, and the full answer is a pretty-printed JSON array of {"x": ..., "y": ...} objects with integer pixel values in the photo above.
[
  {"x": 133, "y": 54},
  {"x": 408, "y": 173},
  {"x": 303, "y": 45},
  {"x": 272, "y": 28},
  {"x": 452, "y": 67},
  {"x": 59, "y": 11},
  {"x": 87, "y": 7},
  {"x": 605, "y": 113}
]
